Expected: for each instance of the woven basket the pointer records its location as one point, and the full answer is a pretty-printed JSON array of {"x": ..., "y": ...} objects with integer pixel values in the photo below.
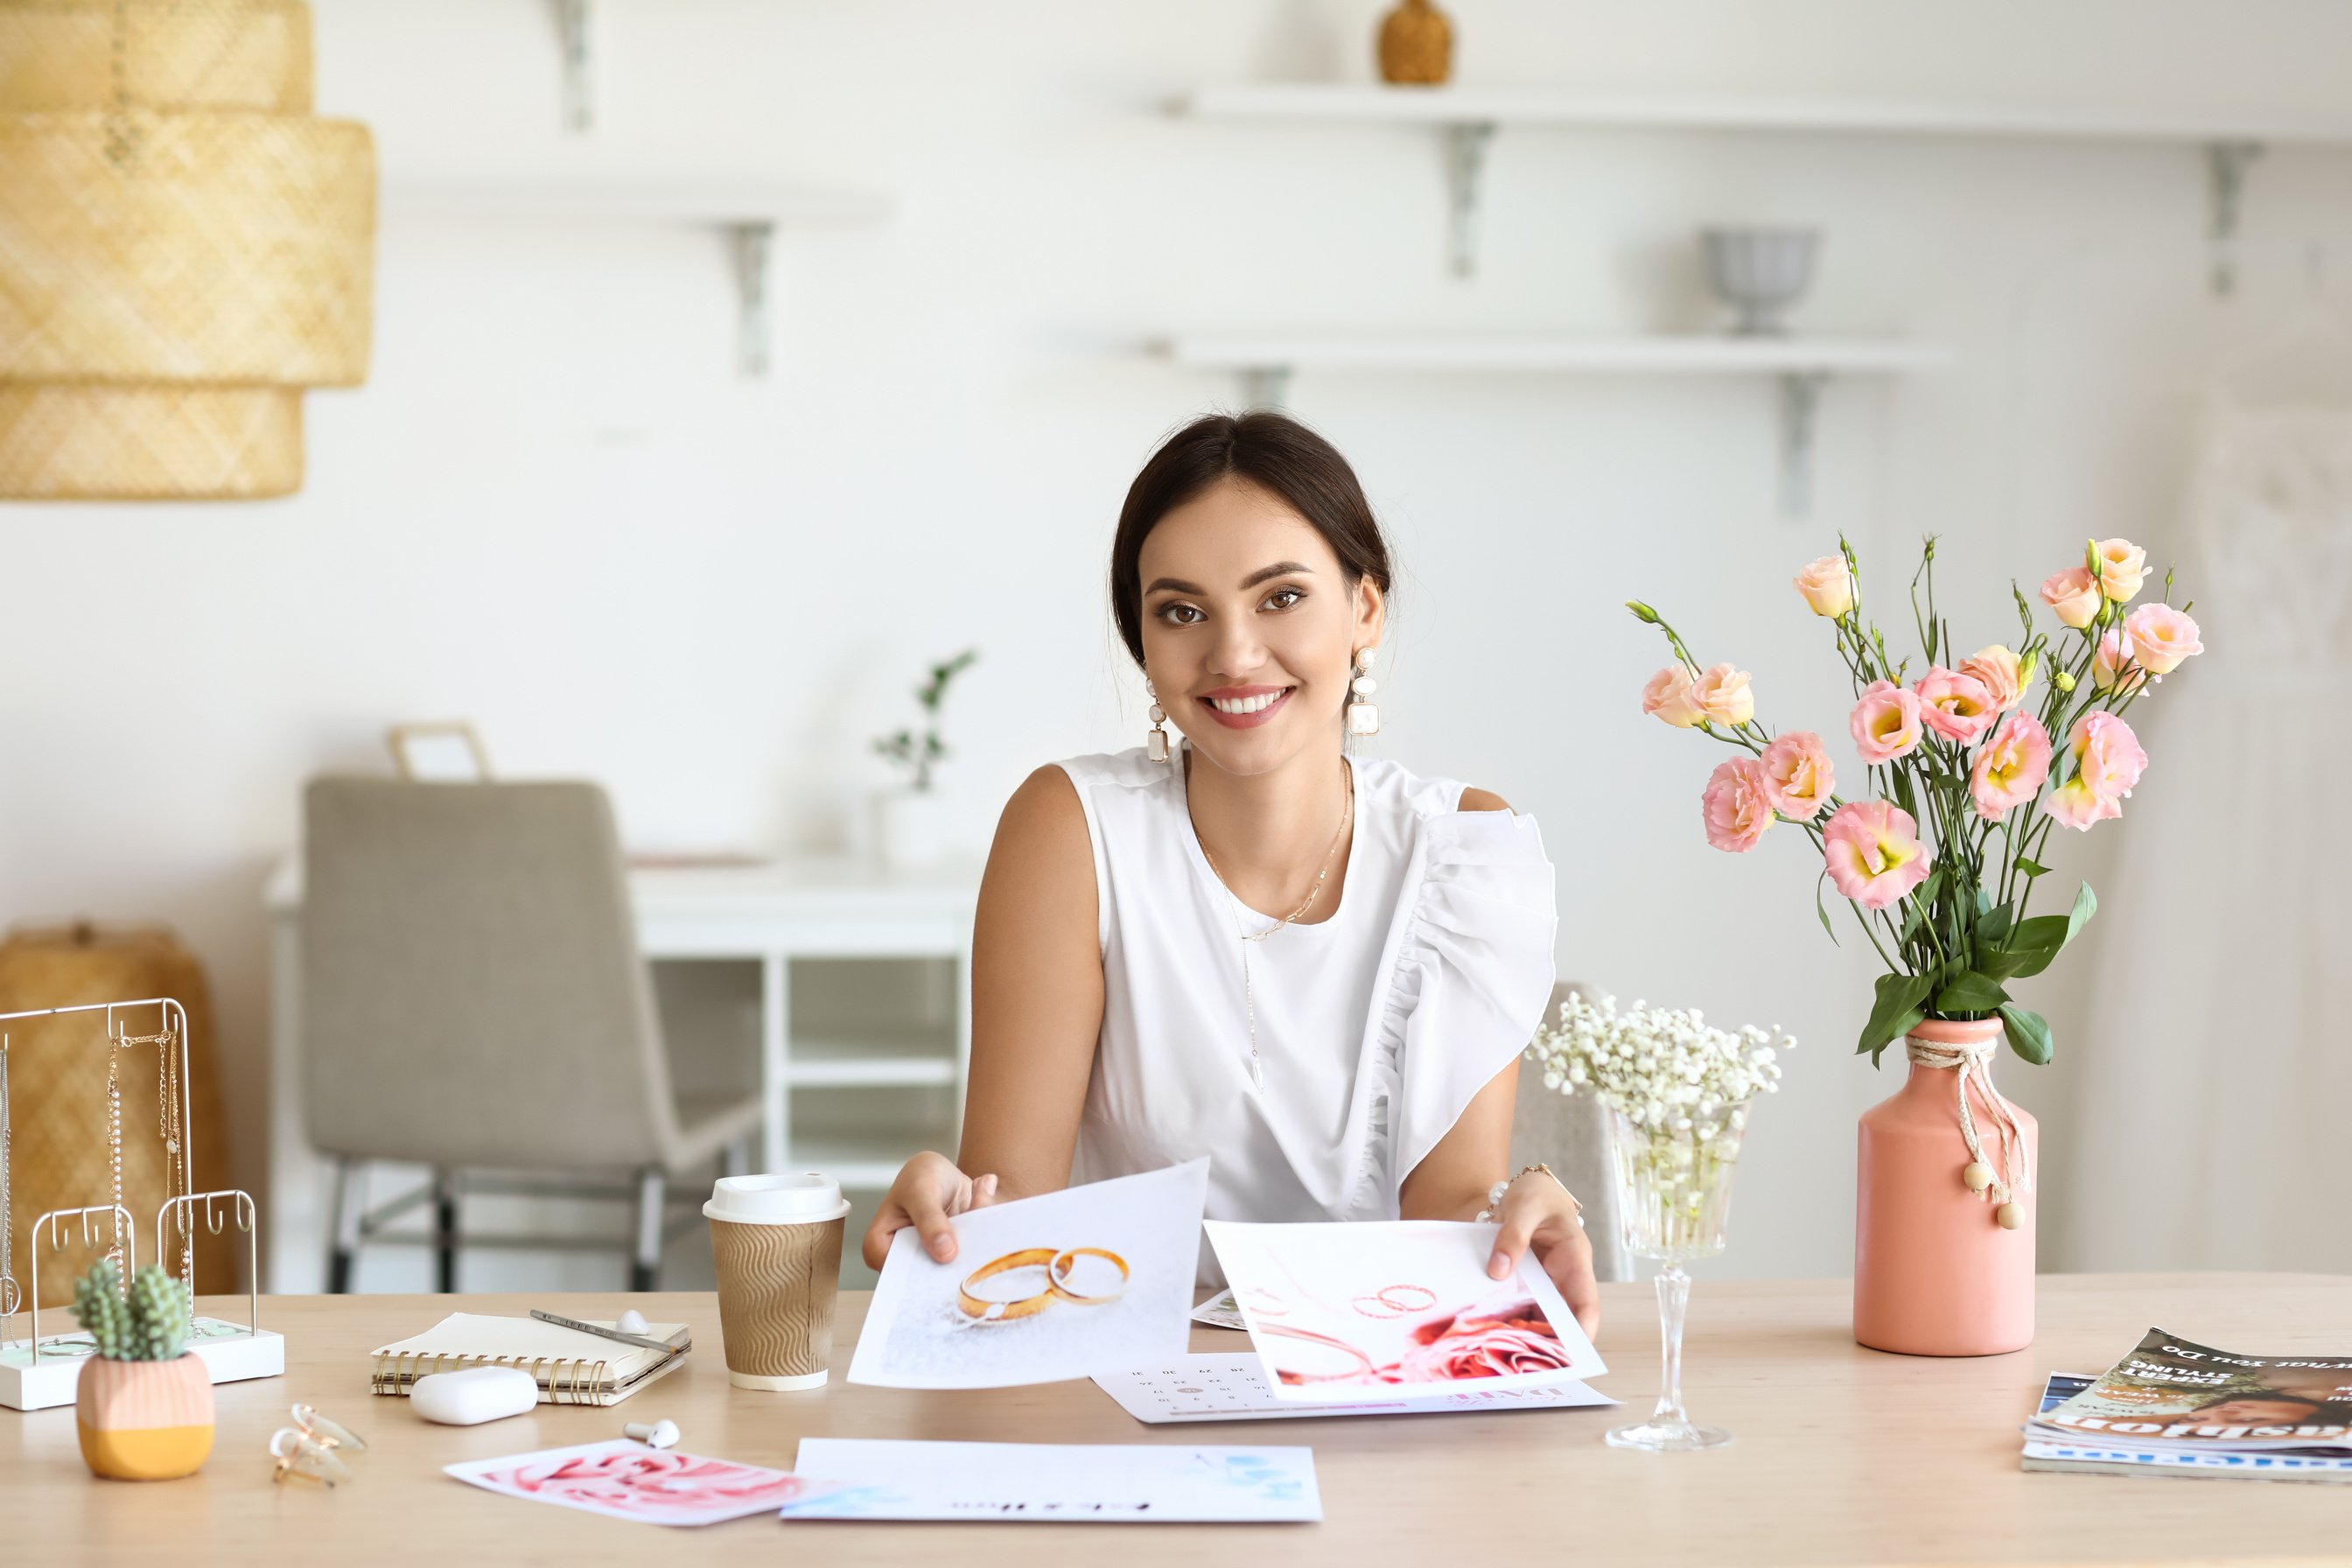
[
  {"x": 182, "y": 247},
  {"x": 57, "y": 1091}
]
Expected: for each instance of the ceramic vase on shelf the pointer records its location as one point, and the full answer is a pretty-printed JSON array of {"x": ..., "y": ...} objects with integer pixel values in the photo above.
[
  {"x": 145, "y": 1420},
  {"x": 1416, "y": 44},
  {"x": 1937, "y": 1268},
  {"x": 910, "y": 828}
]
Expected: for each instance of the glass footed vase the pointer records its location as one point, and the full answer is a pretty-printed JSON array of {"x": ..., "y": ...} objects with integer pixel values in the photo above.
[{"x": 1673, "y": 1196}]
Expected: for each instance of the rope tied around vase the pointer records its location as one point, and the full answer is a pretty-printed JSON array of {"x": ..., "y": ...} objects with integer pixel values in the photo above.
[{"x": 2015, "y": 1174}]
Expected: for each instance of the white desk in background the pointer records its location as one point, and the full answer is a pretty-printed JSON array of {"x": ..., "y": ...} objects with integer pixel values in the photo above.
[{"x": 767, "y": 913}]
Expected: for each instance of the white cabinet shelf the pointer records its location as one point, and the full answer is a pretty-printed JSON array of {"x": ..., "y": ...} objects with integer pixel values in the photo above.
[
  {"x": 819, "y": 1064},
  {"x": 1268, "y": 361},
  {"x": 1467, "y": 118},
  {"x": 746, "y": 214}
]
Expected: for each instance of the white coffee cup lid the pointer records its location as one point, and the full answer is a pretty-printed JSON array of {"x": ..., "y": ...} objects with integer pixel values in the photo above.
[{"x": 795, "y": 1198}]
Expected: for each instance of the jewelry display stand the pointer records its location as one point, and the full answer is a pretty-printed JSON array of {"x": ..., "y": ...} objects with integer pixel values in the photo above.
[{"x": 40, "y": 1371}]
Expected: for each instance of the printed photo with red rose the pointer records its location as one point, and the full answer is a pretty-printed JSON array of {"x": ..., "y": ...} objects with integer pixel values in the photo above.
[{"x": 1356, "y": 1313}]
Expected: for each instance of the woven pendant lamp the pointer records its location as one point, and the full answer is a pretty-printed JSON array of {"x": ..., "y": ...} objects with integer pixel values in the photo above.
[{"x": 183, "y": 248}]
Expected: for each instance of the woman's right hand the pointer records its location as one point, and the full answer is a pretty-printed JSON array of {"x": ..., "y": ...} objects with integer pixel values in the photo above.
[{"x": 929, "y": 1193}]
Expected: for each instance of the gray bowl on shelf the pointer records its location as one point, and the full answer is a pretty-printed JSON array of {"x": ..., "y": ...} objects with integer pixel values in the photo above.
[{"x": 1760, "y": 273}]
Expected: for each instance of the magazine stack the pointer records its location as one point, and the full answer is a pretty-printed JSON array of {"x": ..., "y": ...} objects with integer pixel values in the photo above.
[{"x": 2174, "y": 1407}]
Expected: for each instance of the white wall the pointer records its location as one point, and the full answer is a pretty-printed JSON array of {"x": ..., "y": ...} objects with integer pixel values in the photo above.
[{"x": 556, "y": 509}]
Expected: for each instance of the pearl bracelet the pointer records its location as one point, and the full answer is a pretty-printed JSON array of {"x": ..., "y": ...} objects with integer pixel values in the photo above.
[{"x": 1495, "y": 1194}]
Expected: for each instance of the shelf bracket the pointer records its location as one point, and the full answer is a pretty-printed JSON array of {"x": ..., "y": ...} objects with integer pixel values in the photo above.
[
  {"x": 2226, "y": 164},
  {"x": 1265, "y": 386},
  {"x": 754, "y": 268},
  {"x": 572, "y": 24},
  {"x": 1801, "y": 395},
  {"x": 1466, "y": 169}
]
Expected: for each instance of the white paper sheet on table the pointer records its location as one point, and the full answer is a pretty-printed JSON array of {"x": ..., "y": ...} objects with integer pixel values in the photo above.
[
  {"x": 625, "y": 1479},
  {"x": 1374, "y": 1311},
  {"x": 1232, "y": 1388},
  {"x": 1219, "y": 1313},
  {"x": 1091, "y": 1483},
  {"x": 918, "y": 1336}
]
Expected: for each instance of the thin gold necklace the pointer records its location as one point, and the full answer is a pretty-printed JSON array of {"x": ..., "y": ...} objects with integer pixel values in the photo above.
[{"x": 1330, "y": 859}]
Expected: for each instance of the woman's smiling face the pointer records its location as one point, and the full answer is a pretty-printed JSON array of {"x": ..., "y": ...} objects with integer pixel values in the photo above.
[{"x": 1251, "y": 626}]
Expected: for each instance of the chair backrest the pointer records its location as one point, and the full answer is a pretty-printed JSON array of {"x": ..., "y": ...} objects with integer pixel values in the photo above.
[
  {"x": 472, "y": 992},
  {"x": 1570, "y": 1134}
]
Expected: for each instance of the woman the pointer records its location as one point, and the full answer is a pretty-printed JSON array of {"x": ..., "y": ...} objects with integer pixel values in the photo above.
[{"x": 1318, "y": 971}]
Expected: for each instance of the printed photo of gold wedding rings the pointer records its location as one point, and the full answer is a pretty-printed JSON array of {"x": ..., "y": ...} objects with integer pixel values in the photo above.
[{"x": 1059, "y": 1266}]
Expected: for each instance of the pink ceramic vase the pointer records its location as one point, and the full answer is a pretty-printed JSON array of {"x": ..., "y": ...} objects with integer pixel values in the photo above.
[{"x": 1934, "y": 1271}]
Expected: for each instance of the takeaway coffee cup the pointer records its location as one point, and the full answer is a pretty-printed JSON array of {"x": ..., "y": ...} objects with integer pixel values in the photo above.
[{"x": 777, "y": 1240}]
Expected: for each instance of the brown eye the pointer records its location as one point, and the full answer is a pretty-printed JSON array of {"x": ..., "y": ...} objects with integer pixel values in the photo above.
[
  {"x": 1178, "y": 613},
  {"x": 1284, "y": 598}
]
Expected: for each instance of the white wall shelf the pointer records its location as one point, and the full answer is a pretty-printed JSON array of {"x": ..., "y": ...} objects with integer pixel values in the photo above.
[
  {"x": 1266, "y": 361},
  {"x": 1468, "y": 117},
  {"x": 746, "y": 214}
]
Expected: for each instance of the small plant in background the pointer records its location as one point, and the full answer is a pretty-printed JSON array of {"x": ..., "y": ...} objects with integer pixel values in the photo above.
[
  {"x": 150, "y": 1322},
  {"x": 1667, "y": 1072},
  {"x": 920, "y": 751}
]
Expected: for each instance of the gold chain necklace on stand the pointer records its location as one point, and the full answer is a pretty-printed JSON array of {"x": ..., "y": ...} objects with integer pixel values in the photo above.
[
  {"x": 167, "y": 1128},
  {"x": 1330, "y": 859}
]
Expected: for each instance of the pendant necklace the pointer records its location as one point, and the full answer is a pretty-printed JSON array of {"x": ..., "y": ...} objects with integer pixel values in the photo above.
[
  {"x": 1330, "y": 857},
  {"x": 114, "y": 1151}
]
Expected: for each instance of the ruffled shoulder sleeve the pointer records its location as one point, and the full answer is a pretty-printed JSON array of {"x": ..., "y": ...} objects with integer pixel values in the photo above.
[{"x": 1467, "y": 979}]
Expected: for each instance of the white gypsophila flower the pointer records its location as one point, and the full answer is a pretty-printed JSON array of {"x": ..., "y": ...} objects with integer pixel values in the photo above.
[{"x": 1666, "y": 1070}]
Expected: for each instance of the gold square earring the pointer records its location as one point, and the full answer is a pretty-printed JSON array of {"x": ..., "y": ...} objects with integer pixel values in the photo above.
[
  {"x": 1364, "y": 717},
  {"x": 1155, "y": 740}
]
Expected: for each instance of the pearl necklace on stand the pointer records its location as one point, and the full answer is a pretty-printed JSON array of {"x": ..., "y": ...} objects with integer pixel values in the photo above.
[{"x": 1233, "y": 909}]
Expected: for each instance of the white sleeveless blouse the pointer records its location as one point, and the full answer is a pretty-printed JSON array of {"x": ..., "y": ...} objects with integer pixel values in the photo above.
[{"x": 1375, "y": 1026}]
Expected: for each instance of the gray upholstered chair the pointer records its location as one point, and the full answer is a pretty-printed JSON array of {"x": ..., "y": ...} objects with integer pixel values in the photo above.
[
  {"x": 473, "y": 1000},
  {"x": 1570, "y": 1134}
]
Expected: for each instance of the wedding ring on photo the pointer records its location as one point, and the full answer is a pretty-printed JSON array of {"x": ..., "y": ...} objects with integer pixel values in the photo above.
[
  {"x": 313, "y": 1448},
  {"x": 1384, "y": 1299},
  {"x": 1059, "y": 1263}
]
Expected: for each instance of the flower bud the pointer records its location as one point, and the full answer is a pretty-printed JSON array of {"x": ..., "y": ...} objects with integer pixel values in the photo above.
[{"x": 2063, "y": 681}]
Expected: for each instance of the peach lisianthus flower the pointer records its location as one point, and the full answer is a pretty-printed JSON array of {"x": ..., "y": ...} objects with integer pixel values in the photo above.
[
  {"x": 2114, "y": 667},
  {"x": 1734, "y": 806},
  {"x": 2073, "y": 595},
  {"x": 1668, "y": 695},
  {"x": 1884, "y": 721},
  {"x": 1722, "y": 695},
  {"x": 2161, "y": 637},
  {"x": 1798, "y": 777},
  {"x": 2003, "y": 674},
  {"x": 2123, "y": 566},
  {"x": 1873, "y": 853},
  {"x": 1956, "y": 706},
  {"x": 2011, "y": 768},
  {"x": 2108, "y": 763},
  {"x": 1827, "y": 586}
]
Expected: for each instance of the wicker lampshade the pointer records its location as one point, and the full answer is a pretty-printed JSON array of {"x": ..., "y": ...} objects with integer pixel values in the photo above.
[{"x": 182, "y": 248}]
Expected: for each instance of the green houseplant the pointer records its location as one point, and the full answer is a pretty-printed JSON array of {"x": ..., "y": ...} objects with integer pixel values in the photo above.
[{"x": 143, "y": 1404}]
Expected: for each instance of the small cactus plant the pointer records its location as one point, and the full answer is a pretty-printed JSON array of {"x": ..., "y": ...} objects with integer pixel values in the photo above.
[{"x": 149, "y": 1323}]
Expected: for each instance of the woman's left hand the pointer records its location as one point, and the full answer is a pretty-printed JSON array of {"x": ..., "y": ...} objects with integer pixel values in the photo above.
[{"x": 1538, "y": 1211}]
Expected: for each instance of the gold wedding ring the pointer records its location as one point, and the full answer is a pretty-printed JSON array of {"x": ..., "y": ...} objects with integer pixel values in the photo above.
[{"x": 1057, "y": 1263}]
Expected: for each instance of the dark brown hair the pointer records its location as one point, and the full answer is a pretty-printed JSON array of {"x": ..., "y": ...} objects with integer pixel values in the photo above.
[{"x": 1272, "y": 451}]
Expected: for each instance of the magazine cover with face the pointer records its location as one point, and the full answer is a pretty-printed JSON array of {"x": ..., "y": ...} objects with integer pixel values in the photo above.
[{"x": 2172, "y": 1391}]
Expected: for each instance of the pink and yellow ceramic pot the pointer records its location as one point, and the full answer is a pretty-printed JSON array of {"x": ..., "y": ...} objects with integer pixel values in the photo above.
[{"x": 145, "y": 1420}]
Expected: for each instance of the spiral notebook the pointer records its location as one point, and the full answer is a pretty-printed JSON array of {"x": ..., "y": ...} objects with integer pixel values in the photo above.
[{"x": 571, "y": 1368}]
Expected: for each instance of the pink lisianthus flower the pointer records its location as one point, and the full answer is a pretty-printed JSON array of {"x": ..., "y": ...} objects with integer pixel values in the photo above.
[
  {"x": 1737, "y": 806},
  {"x": 2113, "y": 667},
  {"x": 1873, "y": 852},
  {"x": 1502, "y": 1343},
  {"x": 1668, "y": 695},
  {"x": 1722, "y": 695},
  {"x": 2002, "y": 671},
  {"x": 2108, "y": 763},
  {"x": 1956, "y": 706},
  {"x": 1797, "y": 775},
  {"x": 2012, "y": 766},
  {"x": 2161, "y": 637},
  {"x": 1886, "y": 721},
  {"x": 1827, "y": 585},
  {"x": 2074, "y": 594},
  {"x": 2123, "y": 566}
]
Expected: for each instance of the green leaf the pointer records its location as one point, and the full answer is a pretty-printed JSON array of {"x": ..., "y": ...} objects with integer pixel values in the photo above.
[
  {"x": 2029, "y": 1033},
  {"x": 1970, "y": 992},
  {"x": 1823, "y": 912},
  {"x": 2086, "y": 904},
  {"x": 2031, "y": 869},
  {"x": 1983, "y": 903},
  {"x": 1898, "y": 1009},
  {"x": 1992, "y": 924}
]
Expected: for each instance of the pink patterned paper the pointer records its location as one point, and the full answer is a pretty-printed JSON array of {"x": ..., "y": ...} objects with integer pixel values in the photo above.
[{"x": 624, "y": 1480}]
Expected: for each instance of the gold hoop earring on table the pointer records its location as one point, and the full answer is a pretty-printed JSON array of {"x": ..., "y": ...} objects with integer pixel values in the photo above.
[
  {"x": 1155, "y": 740},
  {"x": 1364, "y": 717}
]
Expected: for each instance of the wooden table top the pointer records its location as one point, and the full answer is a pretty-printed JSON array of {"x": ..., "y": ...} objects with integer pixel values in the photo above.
[{"x": 1844, "y": 1455}]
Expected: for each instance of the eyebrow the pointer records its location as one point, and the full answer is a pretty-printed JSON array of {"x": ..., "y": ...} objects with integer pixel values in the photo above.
[{"x": 1264, "y": 574}]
